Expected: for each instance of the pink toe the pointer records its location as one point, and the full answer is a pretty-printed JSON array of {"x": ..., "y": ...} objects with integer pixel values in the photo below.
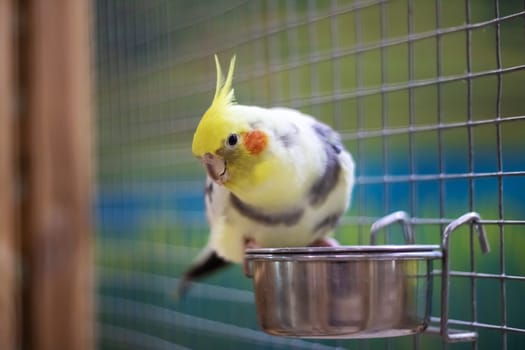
[{"x": 325, "y": 242}]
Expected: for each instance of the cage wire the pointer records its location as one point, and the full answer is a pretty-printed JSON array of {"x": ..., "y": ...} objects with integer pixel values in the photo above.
[{"x": 427, "y": 95}]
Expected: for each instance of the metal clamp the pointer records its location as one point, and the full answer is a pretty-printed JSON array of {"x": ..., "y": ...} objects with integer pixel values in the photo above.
[
  {"x": 398, "y": 216},
  {"x": 449, "y": 335},
  {"x": 472, "y": 217}
]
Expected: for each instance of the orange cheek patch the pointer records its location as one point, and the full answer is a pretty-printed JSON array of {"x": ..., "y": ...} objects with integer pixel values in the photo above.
[{"x": 255, "y": 141}]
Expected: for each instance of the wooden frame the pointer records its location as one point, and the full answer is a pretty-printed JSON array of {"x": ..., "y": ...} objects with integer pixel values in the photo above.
[
  {"x": 9, "y": 287},
  {"x": 47, "y": 103}
]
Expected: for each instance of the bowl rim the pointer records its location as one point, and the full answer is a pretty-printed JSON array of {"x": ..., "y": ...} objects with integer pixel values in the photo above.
[{"x": 348, "y": 249}]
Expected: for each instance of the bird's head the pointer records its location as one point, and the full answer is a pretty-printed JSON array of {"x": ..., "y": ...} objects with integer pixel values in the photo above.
[{"x": 225, "y": 142}]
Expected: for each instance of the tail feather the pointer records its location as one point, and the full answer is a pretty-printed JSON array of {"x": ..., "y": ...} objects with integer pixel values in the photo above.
[{"x": 206, "y": 265}]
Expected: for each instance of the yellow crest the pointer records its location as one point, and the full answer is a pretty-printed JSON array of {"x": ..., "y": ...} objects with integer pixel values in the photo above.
[
  {"x": 214, "y": 125},
  {"x": 223, "y": 90}
]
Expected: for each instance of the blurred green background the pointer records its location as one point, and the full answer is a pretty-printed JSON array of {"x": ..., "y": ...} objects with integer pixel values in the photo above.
[{"x": 428, "y": 96}]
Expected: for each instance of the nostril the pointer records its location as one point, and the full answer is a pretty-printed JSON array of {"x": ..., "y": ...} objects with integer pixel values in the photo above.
[{"x": 208, "y": 157}]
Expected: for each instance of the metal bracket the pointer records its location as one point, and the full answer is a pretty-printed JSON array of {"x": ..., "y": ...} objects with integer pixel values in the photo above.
[
  {"x": 472, "y": 217},
  {"x": 449, "y": 335},
  {"x": 398, "y": 216}
]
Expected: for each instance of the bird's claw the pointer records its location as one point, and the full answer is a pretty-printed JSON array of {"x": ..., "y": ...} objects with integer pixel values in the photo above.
[
  {"x": 249, "y": 243},
  {"x": 325, "y": 242}
]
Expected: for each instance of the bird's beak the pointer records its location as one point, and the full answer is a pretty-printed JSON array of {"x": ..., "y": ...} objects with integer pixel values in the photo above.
[{"x": 216, "y": 168}]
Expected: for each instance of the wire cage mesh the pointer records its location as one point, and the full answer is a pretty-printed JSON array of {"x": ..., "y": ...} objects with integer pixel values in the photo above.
[{"x": 427, "y": 95}]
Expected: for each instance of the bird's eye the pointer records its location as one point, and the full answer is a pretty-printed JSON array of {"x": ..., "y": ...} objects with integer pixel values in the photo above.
[{"x": 232, "y": 140}]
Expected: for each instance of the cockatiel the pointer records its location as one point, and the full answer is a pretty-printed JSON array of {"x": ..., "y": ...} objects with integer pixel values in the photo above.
[{"x": 276, "y": 178}]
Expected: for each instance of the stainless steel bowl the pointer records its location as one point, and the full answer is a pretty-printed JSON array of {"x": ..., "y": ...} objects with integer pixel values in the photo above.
[
  {"x": 343, "y": 292},
  {"x": 356, "y": 291}
]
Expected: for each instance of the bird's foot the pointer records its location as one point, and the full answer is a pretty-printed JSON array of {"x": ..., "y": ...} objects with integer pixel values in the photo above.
[
  {"x": 249, "y": 243},
  {"x": 325, "y": 242}
]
